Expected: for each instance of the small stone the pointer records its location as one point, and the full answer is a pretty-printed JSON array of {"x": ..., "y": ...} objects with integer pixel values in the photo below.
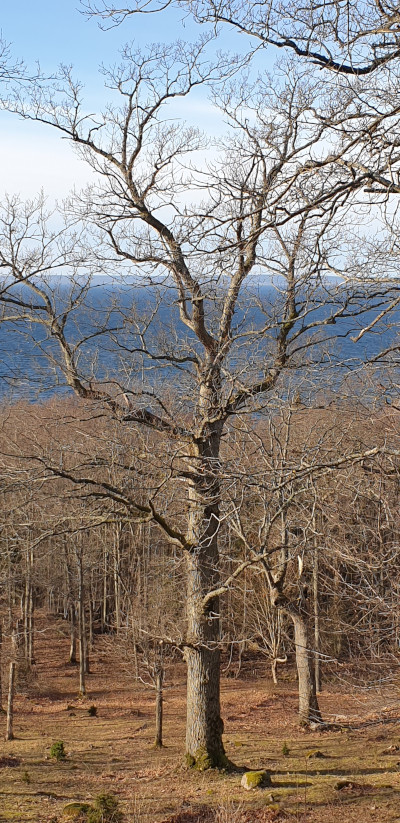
[{"x": 256, "y": 780}]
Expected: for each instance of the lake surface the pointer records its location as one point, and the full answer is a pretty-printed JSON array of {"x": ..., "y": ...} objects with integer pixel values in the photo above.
[{"x": 110, "y": 327}]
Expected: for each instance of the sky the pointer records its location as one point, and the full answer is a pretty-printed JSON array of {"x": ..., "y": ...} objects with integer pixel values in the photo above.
[{"x": 35, "y": 157}]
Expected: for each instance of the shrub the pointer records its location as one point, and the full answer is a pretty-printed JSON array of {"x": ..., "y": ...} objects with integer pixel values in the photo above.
[
  {"x": 92, "y": 711},
  {"x": 285, "y": 750},
  {"x": 105, "y": 810},
  {"x": 58, "y": 751}
]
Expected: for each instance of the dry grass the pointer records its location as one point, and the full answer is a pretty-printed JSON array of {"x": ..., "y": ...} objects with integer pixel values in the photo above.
[{"x": 113, "y": 751}]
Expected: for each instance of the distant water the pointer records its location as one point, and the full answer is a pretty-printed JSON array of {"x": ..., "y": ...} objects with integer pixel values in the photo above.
[{"x": 109, "y": 328}]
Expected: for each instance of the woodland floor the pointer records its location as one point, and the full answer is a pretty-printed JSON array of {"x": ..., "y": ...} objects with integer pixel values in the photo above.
[{"x": 113, "y": 751}]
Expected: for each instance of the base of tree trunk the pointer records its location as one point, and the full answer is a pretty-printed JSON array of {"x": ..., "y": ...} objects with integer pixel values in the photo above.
[
  {"x": 204, "y": 746},
  {"x": 202, "y": 761},
  {"x": 311, "y": 723}
]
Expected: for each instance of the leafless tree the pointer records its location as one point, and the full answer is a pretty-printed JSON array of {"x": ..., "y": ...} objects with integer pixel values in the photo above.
[
  {"x": 351, "y": 40},
  {"x": 273, "y": 200}
]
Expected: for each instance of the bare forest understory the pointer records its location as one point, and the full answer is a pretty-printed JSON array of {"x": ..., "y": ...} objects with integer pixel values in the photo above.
[{"x": 348, "y": 772}]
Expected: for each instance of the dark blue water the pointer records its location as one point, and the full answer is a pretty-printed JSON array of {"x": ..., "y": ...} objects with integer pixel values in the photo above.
[{"x": 109, "y": 328}]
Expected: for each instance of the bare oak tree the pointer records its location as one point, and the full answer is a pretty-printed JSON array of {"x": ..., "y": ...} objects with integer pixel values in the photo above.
[{"x": 201, "y": 232}]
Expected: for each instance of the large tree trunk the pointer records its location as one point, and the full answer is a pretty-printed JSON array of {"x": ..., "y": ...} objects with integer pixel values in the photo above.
[
  {"x": 204, "y": 728},
  {"x": 204, "y": 746}
]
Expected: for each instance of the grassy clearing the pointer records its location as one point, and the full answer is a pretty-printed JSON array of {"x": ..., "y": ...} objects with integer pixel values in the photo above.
[{"x": 112, "y": 751}]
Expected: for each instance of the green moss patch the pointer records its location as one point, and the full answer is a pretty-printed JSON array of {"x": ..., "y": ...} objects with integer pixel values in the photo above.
[{"x": 76, "y": 811}]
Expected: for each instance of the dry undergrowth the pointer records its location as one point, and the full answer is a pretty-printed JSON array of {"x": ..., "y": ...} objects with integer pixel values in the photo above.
[{"x": 355, "y": 776}]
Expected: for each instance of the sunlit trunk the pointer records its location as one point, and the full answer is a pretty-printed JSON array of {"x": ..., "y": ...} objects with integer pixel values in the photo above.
[
  {"x": 204, "y": 746},
  {"x": 309, "y": 711}
]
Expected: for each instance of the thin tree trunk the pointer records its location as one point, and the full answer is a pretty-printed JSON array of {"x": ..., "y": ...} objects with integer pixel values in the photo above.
[
  {"x": 10, "y": 703},
  {"x": 73, "y": 638},
  {"x": 28, "y": 607},
  {"x": 1, "y": 656},
  {"x": 71, "y": 600},
  {"x": 31, "y": 627},
  {"x": 82, "y": 670},
  {"x": 104, "y": 609},
  {"x": 85, "y": 641},
  {"x": 336, "y": 609},
  {"x": 274, "y": 665},
  {"x": 317, "y": 644},
  {"x": 116, "y": 576},
  {"x": 159, "y": 708},
  {"x": 15, "y": 640},
  {"x": 90, "y": 643},
  {"x": 81, "y": 628}
]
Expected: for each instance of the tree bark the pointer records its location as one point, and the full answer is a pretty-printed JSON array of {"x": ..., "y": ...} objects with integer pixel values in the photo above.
[
  {"x": 204, "y": 746},
  {"x": 309, "y": 711}
]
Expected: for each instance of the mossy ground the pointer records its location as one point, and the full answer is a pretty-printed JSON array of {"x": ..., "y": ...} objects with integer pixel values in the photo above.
[{"x": 114, "y": 751}]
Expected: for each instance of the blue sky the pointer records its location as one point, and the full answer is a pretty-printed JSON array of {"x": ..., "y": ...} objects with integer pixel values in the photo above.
[{"x": 54, "y": 33}]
